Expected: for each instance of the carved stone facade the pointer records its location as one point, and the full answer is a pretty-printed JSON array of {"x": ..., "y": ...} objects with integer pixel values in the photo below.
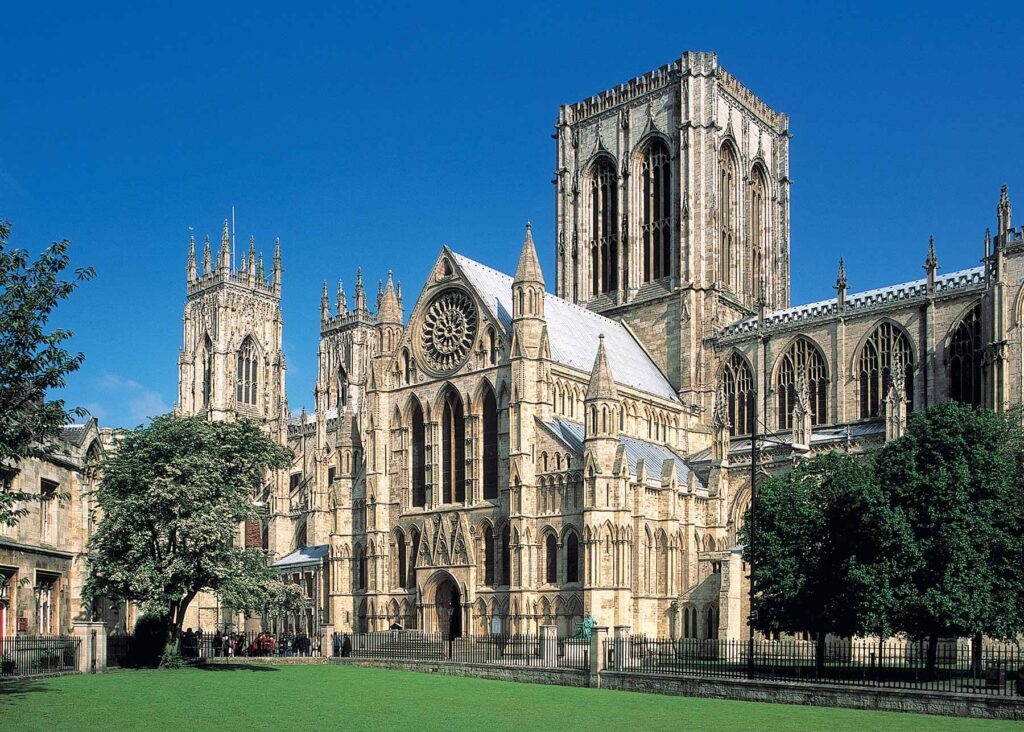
[{"x": 502, "y": 456}]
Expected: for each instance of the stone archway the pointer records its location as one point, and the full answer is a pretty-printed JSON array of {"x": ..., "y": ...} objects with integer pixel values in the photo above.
[{"x": 448, "y": 608}]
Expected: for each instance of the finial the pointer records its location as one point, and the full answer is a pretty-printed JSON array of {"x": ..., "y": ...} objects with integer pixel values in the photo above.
[
  {"x": 275, "y": 278},
  {"x": 259, "y": 269},
  {"x": 191, "y": 258},
  {"x": 931, "y": 264},
  {"x": 207, "y": 258},
  {"x": 324, "y": 310},
  {"x": 840, "y": 286},
  {"x": 224, "y": 254},
  {"x": 342, "y": 303},
  {"x": 1004, "y": 211}
]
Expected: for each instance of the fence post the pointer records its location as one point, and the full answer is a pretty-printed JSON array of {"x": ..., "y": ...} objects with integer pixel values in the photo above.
[
  {"x": 598, "y": 636},
  {"x": 92, "y": 647},
  {"x": 549, "y": 645},
  {"x": 622, "y": 647}
]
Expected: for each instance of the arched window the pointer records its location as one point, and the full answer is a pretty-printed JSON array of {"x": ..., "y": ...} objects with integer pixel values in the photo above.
[
  {"x": 247, "y": 376},
  {"x": 453, "y": 446},
  {"x": 488, "y": 556},
  {"x": 491, "y": 344},
  {"x": 886, "y": 345},
  {"x": 403, "y": 570},
  {"x": 656, "y": 172},
  {"x": 359, "y": 568},
  {"x": 758, "y": 218},
  {"x": 406, "y": 368},
  {"x": 342, "y": 388},
  {"x": 728, "y": 194},
  {"x": 965, "y": 353},
  {"x": 414, "y": 543},
  {"x": 419, "y": 457},
  {"x": 802, "y": 359},
  {"x": 490, "y": 430},
  {"x": 738, "y": 386},
  {"x": 551, "y": 559},
  {"x": 604, "y": 212},
  {"x": 506, "y": 555},
  {"x": 572, "y": 557},
  {"x": 206, "y": 373}
]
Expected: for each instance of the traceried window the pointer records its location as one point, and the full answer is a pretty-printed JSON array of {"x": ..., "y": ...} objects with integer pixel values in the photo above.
[
  {"x": 572, "y": 557},
  {"x": 47, "y": 506},
  {"x": 453, "y": 448},
  {"x": 46, "y": 604},
  {"x": 964, "y": 361},
  {"x": 802, "y": 359},
  {"x": 207, "y": 366},
  {"x": 490, "y": 445},
  {"x": 488, "y": 556},
  {"x": 604, "y": 212},
  {"x": 419, "y": 457},
  {"x": 728, "y": 193},
  {"x": 342, "y": 388},
  {"x": 551, "y": 559},
  {"x": 738, "y": 387},
  {"x": 886, "y": 345},
  {"x": 758, "y": 230},
  {"x": 656, "y": 189},
  {"x": 247, "y": 373},
  {"x": 506, "y": 555},
  {"x": 403, "y": 569}
]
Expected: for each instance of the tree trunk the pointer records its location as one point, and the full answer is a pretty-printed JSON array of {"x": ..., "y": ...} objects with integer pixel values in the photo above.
[
  {"x": 933, "y": 651},
  {"x": 976, "y": 669},
  {"x": 819, "y": 654}
]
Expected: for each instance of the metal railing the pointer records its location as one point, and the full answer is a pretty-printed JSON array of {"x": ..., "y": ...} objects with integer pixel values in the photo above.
[
  {"x": 996, "y": 670},
  {"x": 504, "y": 650},
  {"x": 25, "y": 655}
]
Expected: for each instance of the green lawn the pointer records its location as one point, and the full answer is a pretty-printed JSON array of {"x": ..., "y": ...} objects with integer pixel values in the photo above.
[{"x": 292, "y": 698}]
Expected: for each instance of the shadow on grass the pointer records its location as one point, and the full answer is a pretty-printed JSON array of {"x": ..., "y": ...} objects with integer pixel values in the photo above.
[
  {"x": 234, "y": 667},
  {"x": 15, "y": 690}
]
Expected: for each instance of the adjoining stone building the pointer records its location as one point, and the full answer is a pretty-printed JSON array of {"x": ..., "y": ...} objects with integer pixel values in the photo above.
[{"x": 505, "y": 456}]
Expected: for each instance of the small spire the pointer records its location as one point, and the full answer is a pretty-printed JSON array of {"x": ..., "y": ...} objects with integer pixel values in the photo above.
[
  {"x": 276, "y": 274},
  {"x": 1004, "y": 211},
  {"x": 360, "y": 294},
  {"x": 840, "y": 286},
  {"x": 389, "y": 306},
  {"x": 399, "y": 293},
  {"x": 602, "y": 383},
  {"x": 931, "y": 264},
  {"x": 259, "y": 270},
  {"x": 207, "y": 257},
  {"x": 224, "y": 253},
  {"x": 252, "y": 253},
  {"x": 191, "y": 258},
  {"x": 529, "y": 269},
  {"x": 380, "y": 293},
  {"x": 325, "y": 312},
  {"x": 342, "y": 303}
]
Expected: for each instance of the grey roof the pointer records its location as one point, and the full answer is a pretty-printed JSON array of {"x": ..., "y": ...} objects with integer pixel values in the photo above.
[
  {"x": 819, "y": 436},
  {"x": 964, "y": 279},
  {"x": 653, "y": 455},
  {"x": 573, "y": 332},
  {"x": 302, "y": 557}
]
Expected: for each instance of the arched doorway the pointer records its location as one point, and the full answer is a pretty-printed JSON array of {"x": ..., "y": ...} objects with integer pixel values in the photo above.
[{"x": 448, "y": 606}]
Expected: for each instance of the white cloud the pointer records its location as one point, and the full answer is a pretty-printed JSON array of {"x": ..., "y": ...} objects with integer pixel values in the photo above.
[{"x": 128, "y": 403}]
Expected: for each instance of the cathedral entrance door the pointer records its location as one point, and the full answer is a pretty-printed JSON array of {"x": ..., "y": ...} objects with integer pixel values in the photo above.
[{"x": 448, "y": 605}]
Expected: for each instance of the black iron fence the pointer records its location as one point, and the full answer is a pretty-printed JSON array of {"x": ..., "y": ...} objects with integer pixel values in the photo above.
[
  {"x": 25, "y": 655},
  {"x": 995, "y": 670},
  {"x": 508, "y": 650}
]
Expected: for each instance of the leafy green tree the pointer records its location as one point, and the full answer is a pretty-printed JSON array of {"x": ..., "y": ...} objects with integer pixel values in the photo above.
[
  {"x": 817, "y": 551},
  {"x": 956, "y": 479},
  {"x": 32, "y": 361},
  {"x": 172, "y": 498}
]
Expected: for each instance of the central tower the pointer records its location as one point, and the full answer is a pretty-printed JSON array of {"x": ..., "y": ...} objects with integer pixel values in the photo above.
[{"x": 672, "y": 207}]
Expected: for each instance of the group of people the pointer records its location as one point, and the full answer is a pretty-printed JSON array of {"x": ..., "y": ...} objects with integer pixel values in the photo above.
[{"x": 227, "y": 644}]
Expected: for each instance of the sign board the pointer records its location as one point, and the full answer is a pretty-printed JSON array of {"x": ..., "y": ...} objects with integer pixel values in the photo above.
[{"x": 22, "y": 625}]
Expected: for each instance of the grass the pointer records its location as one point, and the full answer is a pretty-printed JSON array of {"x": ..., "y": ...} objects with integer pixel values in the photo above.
[{"x": 293, "y": 698}]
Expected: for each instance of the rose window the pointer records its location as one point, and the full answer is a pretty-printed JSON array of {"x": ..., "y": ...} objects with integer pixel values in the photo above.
[{"x": 448, "y": 330}]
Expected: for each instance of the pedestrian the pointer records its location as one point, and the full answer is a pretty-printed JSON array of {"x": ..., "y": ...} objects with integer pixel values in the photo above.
[
  {"x": 336, "y": 644},
  {"x": 346, "y": 645}
]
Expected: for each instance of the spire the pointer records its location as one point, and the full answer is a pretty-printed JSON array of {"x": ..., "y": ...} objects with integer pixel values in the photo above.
[
  {"x": 360, "y": 295},
  {"x": 224, "y": 253},
  {"x": 252, "y": 254},
  {"x": 342, "y": 303},
  {"x": 380, "y": 293},
  {"x": 276, "y": 274},
  {"x": 207, "y": 258},
  {"x": 931, "y": 264},
  {"x": 529, "y": 266},
  {"x": 840, "y": 286},
  {"x": 389, "y": 307},
  {"x": 1004, "y": 211},
  {"x": 325, "y": 311},
  {"x": 192, "y": 258},
  {"x": 602, "y": 384},
  {"x": 259, "y": 271}
]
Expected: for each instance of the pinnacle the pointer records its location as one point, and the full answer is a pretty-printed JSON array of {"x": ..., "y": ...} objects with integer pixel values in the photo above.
[
  {"x": 529, "y": 266},
  {"x": 602, "y": 383}
]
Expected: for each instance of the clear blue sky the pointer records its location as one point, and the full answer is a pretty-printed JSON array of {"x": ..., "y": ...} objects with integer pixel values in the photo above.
[{"x": 373, "y": 136}]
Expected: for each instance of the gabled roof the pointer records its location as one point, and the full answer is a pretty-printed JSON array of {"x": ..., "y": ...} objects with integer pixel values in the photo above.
[
  {"x": 573, "y": 332},
  {"x": 964, "y": 279},
  {"x": 653, "y": 455},
  {"x": 306, "y": 556}
]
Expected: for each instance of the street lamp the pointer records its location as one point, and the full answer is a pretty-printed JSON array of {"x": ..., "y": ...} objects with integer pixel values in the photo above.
[{"x": 754, "y": 459}]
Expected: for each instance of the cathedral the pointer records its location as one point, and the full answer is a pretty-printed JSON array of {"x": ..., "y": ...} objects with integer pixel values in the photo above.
[{"x": 504, "y": 451}]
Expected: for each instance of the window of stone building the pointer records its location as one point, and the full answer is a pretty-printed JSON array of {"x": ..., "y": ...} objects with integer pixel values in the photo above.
[
  {"x": 358, "y": 568},
  {"x": 886, "y": 345},
  {"x": 759, "y": 222},
  {"x": 488, "y": 556},
  {"x": 965, "y": 360},
  {"x": 728, "y": 195},
  {"x": 247, "y": 373},
  {"x": 492, "y": 347},
  {"x": 656, "y": 194},
  {"x": 403, "y": 570},
  {"x": 572, "y": 557},
  {"x": 453, "y": 447},
  {"x": 342, "y": 388},
  {"x": 737, "y": 384},
  {"x": 406, "y": 368},
  {"x": 207, "y": 370},
  {"x": 419, "y": 457},
  {"x": 604, "y": 231},
  {"x": 46, "y": 597},
  {"x": 506, "y": 556},
  {"x": 414, "y": 546},
  {"x": 802, "y": 358},
  {"x": 490, "y": 444},
  {"x": 551, "y": 559},
  {"x": 47, "y": 507}
]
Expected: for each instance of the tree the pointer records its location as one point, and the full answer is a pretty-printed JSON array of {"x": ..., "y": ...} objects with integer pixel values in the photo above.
[
  {"x": 32, "y": 361},
  {"x": 817, "y": 549},
  {"x": 172, "y": 499},
  {"x": 956, "y": 480}
]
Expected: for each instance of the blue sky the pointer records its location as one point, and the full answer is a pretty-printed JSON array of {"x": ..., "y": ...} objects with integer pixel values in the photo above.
[{"x": 372, "y": 135}]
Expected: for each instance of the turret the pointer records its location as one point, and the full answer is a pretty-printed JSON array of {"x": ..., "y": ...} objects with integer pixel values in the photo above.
[
  {"x": 360, "y": 294},
  {"x": 528, "y": 298},
  {"x": 601, "y": 408},
  {"x": 389, "y": 309},
  {"x": 191, "y": 267}
]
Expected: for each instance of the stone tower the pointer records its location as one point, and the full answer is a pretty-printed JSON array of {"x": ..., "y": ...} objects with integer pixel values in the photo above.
[{"x": 672, "y": 209}]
